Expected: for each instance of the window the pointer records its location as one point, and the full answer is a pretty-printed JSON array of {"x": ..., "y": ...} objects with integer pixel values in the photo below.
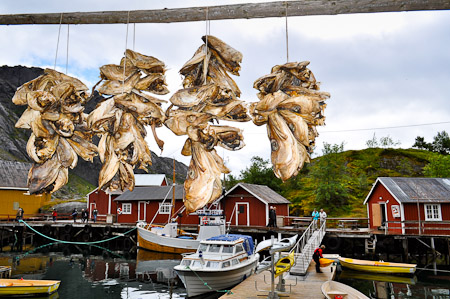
[
  {"x": 227, "y": 249},
  {"x": 186, "y": 263},
  {"x": 239, "y": 248},
  {"x": 226, "y": 264},
  {"x": 164, "y": 208},
  {"x": 213, "y": 265},
  {"x": 214, "y": 248},
  {"x": 235, "y": 262},
  {"x": 126, "y": 208},
  {"x": 202, "y": 247},
  {"x": 433, "y": 212}
]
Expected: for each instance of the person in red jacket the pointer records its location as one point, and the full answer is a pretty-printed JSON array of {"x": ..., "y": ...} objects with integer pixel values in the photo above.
[{"x": 316, "y": 257}]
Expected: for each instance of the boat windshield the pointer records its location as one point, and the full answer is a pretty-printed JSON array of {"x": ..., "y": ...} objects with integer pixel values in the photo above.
[
  {"x": 227, "y": 249},
  {"x": 239, "y": 248},
  {"x": 214, "y": 248},
  {"x": 202, "y": 247}
]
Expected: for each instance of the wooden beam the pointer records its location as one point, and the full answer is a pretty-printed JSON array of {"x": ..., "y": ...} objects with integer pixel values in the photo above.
[{"x": 224, "y": 12}]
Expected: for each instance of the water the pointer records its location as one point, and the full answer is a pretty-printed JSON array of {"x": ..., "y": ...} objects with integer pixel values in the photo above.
[
  {"x": 424, "y": 284},
  {"x": 150, "y": 275}
]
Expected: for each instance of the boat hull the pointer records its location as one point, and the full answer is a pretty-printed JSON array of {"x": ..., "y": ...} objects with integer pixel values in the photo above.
[
  {"x": 377, "y": 267},
  {"x": 330, "y": 289},
  {"x": 155, "y": 242},
  {"x": 200, "y": 281},
  {"x": 17, "y": 287}
]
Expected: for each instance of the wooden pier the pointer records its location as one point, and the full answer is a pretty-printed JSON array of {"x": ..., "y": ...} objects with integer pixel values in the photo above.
[{"x": 307, "y": 287}]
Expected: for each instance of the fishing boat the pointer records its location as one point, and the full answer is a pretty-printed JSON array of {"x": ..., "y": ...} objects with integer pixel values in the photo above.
[
  {"x": 284, "y": 264},
  {"x": 220, "y": 263},
  {"x": 377, "y": 266},
  {"x": 333, "y": 289},
  {"x": 21, "y": 287},
  {"x": 169, "y": 238}
]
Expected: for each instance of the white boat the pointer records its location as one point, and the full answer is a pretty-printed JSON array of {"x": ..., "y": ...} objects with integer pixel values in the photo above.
[
  {"x": 170, "y": 239},
  {"x": 220, "y": 263},
  {"x": 333, "y": 289},
  {"x": 283, "y": 244},
  {"x": 274, "y": 245}
]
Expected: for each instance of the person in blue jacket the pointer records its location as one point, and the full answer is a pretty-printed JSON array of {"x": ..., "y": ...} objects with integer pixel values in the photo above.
[{"x": 315, "y": 215}]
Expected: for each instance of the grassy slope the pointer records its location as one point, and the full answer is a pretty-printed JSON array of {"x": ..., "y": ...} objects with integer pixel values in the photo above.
[{"x": 363, "y": 168}]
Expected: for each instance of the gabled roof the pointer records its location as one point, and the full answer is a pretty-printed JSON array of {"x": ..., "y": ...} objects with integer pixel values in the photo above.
[
  {"x": 14, "y": 175},
  {"x": 413, "y": 190},
  {"x": 261, "y": 192},
  {"x": 152, "y": 193},
  {"x": 149, "y": 179}
]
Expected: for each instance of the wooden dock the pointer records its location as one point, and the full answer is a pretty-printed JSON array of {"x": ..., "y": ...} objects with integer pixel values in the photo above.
[{"x": 308, "y": 286}]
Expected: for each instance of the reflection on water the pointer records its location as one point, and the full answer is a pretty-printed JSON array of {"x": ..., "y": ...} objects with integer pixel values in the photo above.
[
  {"x": 150, "y": 276},
  {"x": 424, "y": 284}
]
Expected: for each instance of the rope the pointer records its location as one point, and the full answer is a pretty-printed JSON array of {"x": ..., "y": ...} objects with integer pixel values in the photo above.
[
  {"x": 125, "y": 61},
  {"x": 287, "y": 34},
  {"x": 57, "y": 42},
  {"x": 206, "y": 42},
  {"x": 134, "y": 35},
  {"x": 76, "y": 243},
  {"x": 228, "y": 292},
  {"x": 67, "y": 49}
]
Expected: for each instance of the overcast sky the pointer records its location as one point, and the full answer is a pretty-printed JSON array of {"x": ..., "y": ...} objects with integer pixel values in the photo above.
[{"x": 383, "y": 70}]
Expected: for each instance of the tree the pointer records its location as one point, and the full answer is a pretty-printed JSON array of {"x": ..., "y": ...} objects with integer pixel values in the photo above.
[
  {"x": 330, "y": 178},
  {"x": 260, "y": 172},
  {"x": 441, "y": 143},
  {"x": 439, "y": 166},
  {"x": 384, "y": 142},
  {"x": 420, "y": 143},
  {"x": 371, "y": 143}
]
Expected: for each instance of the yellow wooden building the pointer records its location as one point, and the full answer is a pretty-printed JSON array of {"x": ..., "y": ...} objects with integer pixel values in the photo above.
[{"x": 14, "y": 190}]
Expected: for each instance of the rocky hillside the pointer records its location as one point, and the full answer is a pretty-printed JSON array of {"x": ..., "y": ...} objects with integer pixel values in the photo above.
[{"x": 13, "y": 141}]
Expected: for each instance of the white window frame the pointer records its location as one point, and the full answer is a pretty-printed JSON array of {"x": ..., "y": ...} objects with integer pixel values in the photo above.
[
  {"x": 432, "y": 206},
  {"x": 126, "y": 208},
  {"x": 165, "y": 208}
]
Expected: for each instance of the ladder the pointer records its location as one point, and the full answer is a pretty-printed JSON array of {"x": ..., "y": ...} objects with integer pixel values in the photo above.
[{"x": 304, "y": 248}]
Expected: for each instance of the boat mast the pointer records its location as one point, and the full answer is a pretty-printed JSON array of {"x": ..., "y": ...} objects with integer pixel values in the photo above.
[{"x": 173, "y": 193}]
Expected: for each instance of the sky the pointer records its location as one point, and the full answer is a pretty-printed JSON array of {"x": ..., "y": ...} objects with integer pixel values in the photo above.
[{"x": 388, "y": 73}]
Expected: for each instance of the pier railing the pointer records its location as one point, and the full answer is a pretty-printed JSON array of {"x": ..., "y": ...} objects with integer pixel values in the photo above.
[
  {"x": 304, "y": 248},
  {"x": 332, "y": 222},
  {"x": 415, "y": 227}
]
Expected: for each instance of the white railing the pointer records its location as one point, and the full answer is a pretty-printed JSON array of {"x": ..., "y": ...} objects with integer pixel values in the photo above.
[{"x": 304, "y": 248}]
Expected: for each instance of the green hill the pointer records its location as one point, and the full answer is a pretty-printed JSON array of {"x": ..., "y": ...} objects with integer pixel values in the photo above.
[{"x": 359, "y": 169}]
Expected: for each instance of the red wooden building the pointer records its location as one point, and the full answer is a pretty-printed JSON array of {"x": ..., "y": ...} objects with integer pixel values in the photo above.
[
  {"x": 104, "y": 201},
  {"x": 248, "y": 204},
  {"x": 144, "y": 202},
  {"x": 412, "y": 204}
]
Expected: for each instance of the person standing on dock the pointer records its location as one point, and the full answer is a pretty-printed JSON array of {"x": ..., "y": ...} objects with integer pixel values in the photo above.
[
  {"x": 54, "y": 215},
  {"x": 315, "y": 216},
  {"x": 74, "y": 215},
  {"x": 272, "y": 217},
  {"x": 94, "y": 214},
  {"x": 19, "y": 215},
  {"x": 84, "y": 215},
  {"x": 317, "y": 256},
  {"x": 323, "y": 217}
]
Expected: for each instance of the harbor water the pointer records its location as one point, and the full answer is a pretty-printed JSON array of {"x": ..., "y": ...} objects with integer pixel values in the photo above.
[{"x": 151, "y": 275}]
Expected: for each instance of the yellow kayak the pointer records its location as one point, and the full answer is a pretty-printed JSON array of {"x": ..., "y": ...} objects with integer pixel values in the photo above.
[
  {"x": 9, "y": 287},
  {"x": 325, "y": 262},
  {"x": 377, "y": 267},
  {"x": 284, "y": 264}
]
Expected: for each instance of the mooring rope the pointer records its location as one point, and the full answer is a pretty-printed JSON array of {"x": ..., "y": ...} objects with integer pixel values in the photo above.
[
  {"x": 228, "y": 292},
  {"x": 71, "y": 242}
]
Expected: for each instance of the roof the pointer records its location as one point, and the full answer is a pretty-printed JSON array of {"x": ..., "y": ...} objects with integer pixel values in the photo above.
[
  {"x": 262, "y": 192},
  {"x": 413, "y": 190},
  {"x": 151, "y": 193},
  {"x": 149, "y": 179},
  {"x": 14, "y": 175}
]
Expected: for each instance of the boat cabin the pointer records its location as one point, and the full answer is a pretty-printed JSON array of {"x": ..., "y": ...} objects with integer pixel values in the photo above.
[
  {"x": 419, "y": 206},
  {"x": 220, "y": 252}
]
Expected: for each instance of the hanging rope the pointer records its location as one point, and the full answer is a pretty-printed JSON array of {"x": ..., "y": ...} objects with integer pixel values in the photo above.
[
  {"x": 76, "y": 243},
  {"x": 57, "y": 42},
  {"x": 125, "y": 61},
  {"x": 134, "y": 35},
  {"x": 67, "y": 48},
  {"x": 205, "y": 67},
  {"x": 287, "y": 35}
]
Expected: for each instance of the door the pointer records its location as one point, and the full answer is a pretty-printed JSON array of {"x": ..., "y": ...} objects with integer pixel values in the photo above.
[
  {"x": 376, "y": 215},
  {"x": 243, "y": 217},
  {"x": 141, "y": 211}
]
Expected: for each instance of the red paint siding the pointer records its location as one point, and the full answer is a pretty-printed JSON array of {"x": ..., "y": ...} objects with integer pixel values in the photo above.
[
  {"x": 410, "y": 214},
  {"x": 101, "y": 200}
]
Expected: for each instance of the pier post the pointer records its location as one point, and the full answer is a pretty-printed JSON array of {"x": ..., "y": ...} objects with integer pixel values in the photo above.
[{"x": 405, "y": 249}]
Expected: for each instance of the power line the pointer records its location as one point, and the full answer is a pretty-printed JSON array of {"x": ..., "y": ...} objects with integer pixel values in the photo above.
[{"x": 385, "y": 128}]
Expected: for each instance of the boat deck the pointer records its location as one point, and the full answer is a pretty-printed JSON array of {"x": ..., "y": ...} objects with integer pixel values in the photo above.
[{"x": 308, "y": 286}]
